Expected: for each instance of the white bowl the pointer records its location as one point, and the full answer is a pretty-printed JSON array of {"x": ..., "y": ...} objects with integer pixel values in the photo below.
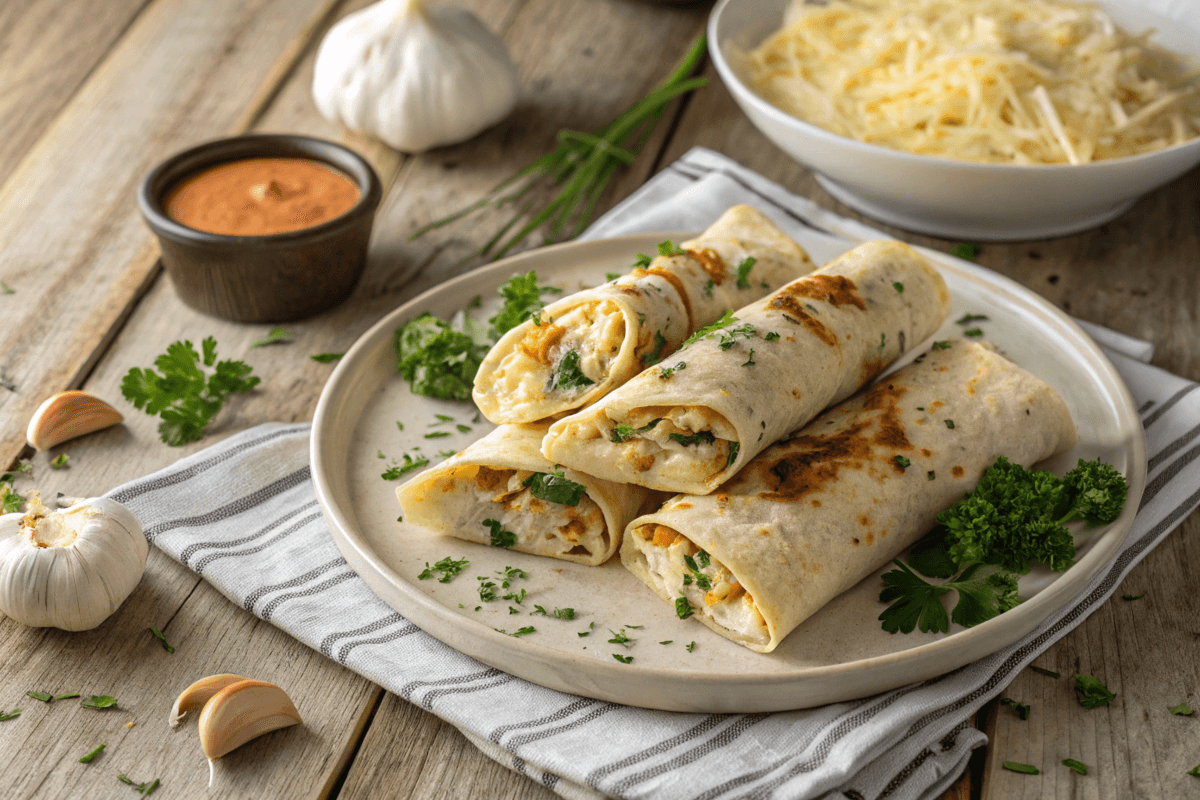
[{"x": 957, "y": 199}]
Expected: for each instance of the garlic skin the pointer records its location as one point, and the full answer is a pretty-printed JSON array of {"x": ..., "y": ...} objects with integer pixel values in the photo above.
[
  {"x": 414, "y": 76},
  {"x": 69, "y": 569}
]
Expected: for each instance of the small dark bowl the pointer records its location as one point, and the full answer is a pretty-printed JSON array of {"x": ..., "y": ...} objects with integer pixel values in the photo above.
[{"x": 274, "y": 278}]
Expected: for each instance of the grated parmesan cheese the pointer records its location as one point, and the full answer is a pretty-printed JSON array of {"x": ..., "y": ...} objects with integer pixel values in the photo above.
[{"x": 992, "y": 81}]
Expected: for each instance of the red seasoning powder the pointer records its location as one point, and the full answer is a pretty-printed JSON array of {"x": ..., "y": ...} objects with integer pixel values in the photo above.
[{"x": 261, "y": 196}]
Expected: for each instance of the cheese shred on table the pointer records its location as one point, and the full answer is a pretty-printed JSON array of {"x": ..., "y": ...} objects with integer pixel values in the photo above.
[{"x": 993, "y": 81}]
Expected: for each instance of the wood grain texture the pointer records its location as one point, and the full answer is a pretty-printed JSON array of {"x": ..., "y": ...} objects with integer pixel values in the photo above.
[{"x": 74, "y": 247}]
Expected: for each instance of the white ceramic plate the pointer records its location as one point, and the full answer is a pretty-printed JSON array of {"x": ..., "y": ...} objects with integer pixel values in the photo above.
[{"x": 838, "y": 654}]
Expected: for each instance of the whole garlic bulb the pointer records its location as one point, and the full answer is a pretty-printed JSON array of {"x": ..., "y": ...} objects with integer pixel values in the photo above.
[
  {"x": 414, "y": 76},
  {"x": 69, "y": 569}
]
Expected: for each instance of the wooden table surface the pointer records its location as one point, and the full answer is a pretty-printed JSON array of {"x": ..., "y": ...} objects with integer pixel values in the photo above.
[{"x": 93, "y": 94}]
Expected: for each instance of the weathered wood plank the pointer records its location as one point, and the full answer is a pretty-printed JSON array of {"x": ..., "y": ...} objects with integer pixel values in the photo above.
[
  {"x": 1133, "y": 275},
  {"x": 47, "y": 49},
  {"x": 74, "y": 246}
]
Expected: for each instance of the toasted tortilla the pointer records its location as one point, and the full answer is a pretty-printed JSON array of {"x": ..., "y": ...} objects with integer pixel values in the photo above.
[
  {"x": 815, "y": 514},
  {"x": 612, "y": 332},
  {"x": 486, "y": 482},
  {"x": 690, "y": 423}
]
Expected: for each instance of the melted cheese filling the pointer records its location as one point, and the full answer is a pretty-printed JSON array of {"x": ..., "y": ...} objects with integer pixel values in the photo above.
[
  {"x": 541, "y": 527},
  {"x": 725, "y": 602},
  {"x": 991, "y": 81},
  {"x": 654, "y": 449},
  {"x": 526, "y": 375}
]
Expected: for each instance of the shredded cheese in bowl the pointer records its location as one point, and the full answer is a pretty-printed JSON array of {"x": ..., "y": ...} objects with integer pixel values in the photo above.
[{"x": 990, "y": 81}]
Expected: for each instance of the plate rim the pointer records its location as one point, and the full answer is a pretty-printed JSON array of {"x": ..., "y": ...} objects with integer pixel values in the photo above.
[{"x": 356, "y": 550}]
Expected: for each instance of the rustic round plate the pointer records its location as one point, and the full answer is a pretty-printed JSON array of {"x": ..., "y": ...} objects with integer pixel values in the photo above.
[{"x": 838, "y": 654}]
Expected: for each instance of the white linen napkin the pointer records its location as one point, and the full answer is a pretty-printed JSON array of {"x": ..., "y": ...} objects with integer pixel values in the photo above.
[{"x": 243, "y": 515}]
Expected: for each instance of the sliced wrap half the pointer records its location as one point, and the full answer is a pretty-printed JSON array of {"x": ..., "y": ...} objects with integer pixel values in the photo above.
[
  {"x": 487, "y": 481},
  {"x": 583, "y": 346},
  {"x": 814, "y": 515},
  {"x": 693, "y": 421}
]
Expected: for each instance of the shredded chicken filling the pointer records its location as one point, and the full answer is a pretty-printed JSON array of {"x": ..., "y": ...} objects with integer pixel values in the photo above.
[{"x": 657, "y": 438}]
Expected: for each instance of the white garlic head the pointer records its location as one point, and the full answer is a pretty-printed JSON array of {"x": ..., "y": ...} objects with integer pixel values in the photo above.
[
  {"x": 414, "y": 76},
  {"x": 69, "y": 569}
]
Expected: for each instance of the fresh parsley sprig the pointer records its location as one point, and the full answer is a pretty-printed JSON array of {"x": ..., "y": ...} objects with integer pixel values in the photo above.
[
  {"x": 555, "y": 487},
  {"x": 185, "y": 395}
]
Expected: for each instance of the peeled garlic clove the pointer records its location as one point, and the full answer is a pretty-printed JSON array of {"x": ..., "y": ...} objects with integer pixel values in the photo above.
[
  {"x": 67, "y": 415},
  {"x": 199, "y": 693},
  {"x": 242, "y": 711}
]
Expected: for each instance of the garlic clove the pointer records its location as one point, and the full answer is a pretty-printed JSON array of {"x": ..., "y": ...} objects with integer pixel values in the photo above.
[
  {"x": 243, "y": 711},
  {"x": 199, "y": 693},
  {"x": 67, "y": 415}
]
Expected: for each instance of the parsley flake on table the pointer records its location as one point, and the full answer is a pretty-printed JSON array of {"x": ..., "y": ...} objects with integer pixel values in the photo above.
[
  {"x": 185, "y": 395},
  {"x": 437, "y": 435},
  {"x": 5, "y": 716},
  {"x": 66, "y": 696},
  {"x": 771, "y": 336},
  {"x": 1091, "y": 693},
  {"x": 554, "y": 487},
  {"x": 1078, "y": 766},
  {"x": 1021, "y": 709},
  {"x": 581, "y": 634},
  {"x": 487, "y": 590},
  {"x": 100, "y": 701},
  {"x": 619, "y": 638},
  {"x": 325, "y": 358},
  {"x": 623, "y": 659},
  {"x": 162, "y": 639},
  {"x": 276, "y": 335},
  {"x": 1017, "y": 766},
  {"x": 743, "y": 272},
  {"x": 564, "y": 613},
  {"x": 10, "y": 500},
  {"x": 396, "y": 470},
  {"x": 499, "y": 536},
  {"x": 1193, "y": 771},
  {"x": 1182, "y": 710},
  {"x": 965, "y": 250},
  {"x": 45, "y": 697},
  {"x": 448, "y": 568},
  {"x": 1133, "y": 596},
  {"x": 60, "y": 462},
  {"x": 528, "y": 629},
  {"x": 516, "y": 597},
  {"x": 750, "y": 362},
  {"x": 974, "y": 333},
  {"x": 690, "y": 647},
  {"x": 569, "y": 375},
  {"x": 88, "y": 758},
  {"x": 949, "y": 423},
  {"x": 967, "y": 319},
  {"x": 1047, "y": 672},
  {"x": 6, "y": 289}
]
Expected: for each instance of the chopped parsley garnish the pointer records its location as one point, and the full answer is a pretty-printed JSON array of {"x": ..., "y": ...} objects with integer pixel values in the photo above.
[
  {"x": 564, "y": 613},
  {"x": 668, "y": 641},
  {"x": 516, "y": 597},
  {"x": 729, "y": 337},
  {"x": 690, "y": 647},
  {"x": 45, "y": 697},
  {"x": 1078, "y": 766},
  {"x": 669, "y": 248},
  {"x": 949, "y": 423},
  {"x": 448, "y": 568},
  {"x": 683, "y": 609},
  {"x": 5, "y": 716},
  {"x": 973, "y": 332},
  {"x": 931, "y": 475},
  {"x": 569, "y": 375},
  {"x": 512, "y": 610},
  {"x": 442, "y": 419},
  {"x": 437, "y": 435},
  {"x": 1193, "y": 771},
  {"x": 581, "y": 634},
  {"x": 447, "y": 453},
  {"x": 733, "y": 454},
  {"x": 100, "y": 701},
  {"x": 1099, "y": 493},
  {"x": 1016, "y": 766},
  {"x": 965, "y": 250},
  {"x": 772, "y": 336},
  {"x": 528, "y": 629},
  {"x": 655, "y": 355},
  {"x": 509, "y": 574},
  {"x": 967, "y": 319},
  {"x": 708, "y": 287},
  {"x": 703, "y": 437},
  {"x": 1133, "y": 596},
  {"x": 882, "y": 340},
  {"x": 811, "y": 308},
  {"x": 6, "y": 289},
  {"x": 902, "y": 462},
  {"x": 185, "y": 396},
  {"x": 743, "y": 272},
  {"x": 1091, "y": 693},
  {"x": 60, "y": 462},
  {"x": 437, "y": 359},
  {"x": 634, "y": 627},
  {"x": 666, "y": 372},
  {"x": 750, "y": 362},
  {"x": 898, "y": 286},
  {"x": 396, "y": 470},
  {"x": 88, "y": 758},
  {"x": 941, "y": 345},
  {"x": 1021, "y": 709},
  {"x": 619, "y": 638},
  {"x": 325, "y": 358},
  {"x": 399, "y": 425},
  {"x": 621, "y": 432},
  {"x": 622, "y": 659},
  {"x": 275, "y": 336},
  {"x": 499, "y": 536},
  {"x": 1042, "y": 671},
  {"x": 161, "y": 639},
  {"x": 708, "y": 330},
  {"x": 66, "y": 696},
  {"x": 1182, "y": 710},
  {"x": 554, "y": 487},
  {"x": 487, "y": 590},
  {"x": 522, "y": 298},
  {"x": 611, "y": 276},
  {"x": 10, "y": 500},
  {"x": 642, "y": 261}
]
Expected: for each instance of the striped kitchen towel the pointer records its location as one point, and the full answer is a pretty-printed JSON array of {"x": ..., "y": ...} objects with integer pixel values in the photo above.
[{"x": 243, "y": 515}]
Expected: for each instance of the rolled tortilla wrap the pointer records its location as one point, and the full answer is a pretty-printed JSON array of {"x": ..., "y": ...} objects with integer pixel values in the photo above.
[
  {"x": 690, "y": 423},
  {"x": 583, "y": 346},
  {"x": 815, "y": 514},
  {"x": 486, "y": 482}
]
